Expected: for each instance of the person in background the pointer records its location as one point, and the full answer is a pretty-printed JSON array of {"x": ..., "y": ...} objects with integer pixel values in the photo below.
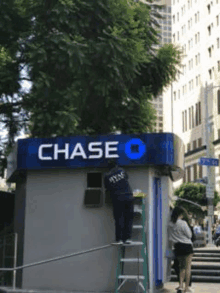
[
  {"x": 180, "y": 234},
  {"x": 197, "y": 229},
  {"x": 217, "y": 231},
  {"x": 116, "y": 182},
  {"x": 176, "y": 262}
]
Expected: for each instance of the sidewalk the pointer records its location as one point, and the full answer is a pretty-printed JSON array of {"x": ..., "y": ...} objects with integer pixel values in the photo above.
[{"x": 196, "y": 287}]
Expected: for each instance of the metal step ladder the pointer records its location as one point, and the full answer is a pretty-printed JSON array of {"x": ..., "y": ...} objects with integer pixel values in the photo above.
[{"x": 142, "y": 280}]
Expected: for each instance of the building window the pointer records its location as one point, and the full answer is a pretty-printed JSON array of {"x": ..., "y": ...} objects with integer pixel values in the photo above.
[
  {"x": 218, "y": 66},
  {"x": 174, "y": 96},
  {"x": 198, "y": 37},
  {"x": 199, "y": 142},
  {"x": 193, "y": 124},
  {"x": 200, "y": 171},
  {"x": 218, "y": 99},
  {"x": 195, "y": 18},
  {"x": 217, "y": 20},
  {"x": 188, "y": 174},
  {"x": 209, "y": 9},
  {"x": 218, "y": 43},
  {"x": 194, "y": 171},
  {"x": 178, "y": 94},
  {"x": 190, "y": 121},
  {"x": 210, "y": 73},
  {"x": 210, "y": 51},
  {"x": 184, "y": 177},
  {"x": 194, "y": 144},
  {"x": 173, "y": 18},
  {"x": 185, "y": 120},
  {"x": 197, "y": 120},
  {"x": 178, "y": 16},
  {"x": 209, "y": 30},
  {"x": 188, "y": 147},
  {"x": 196, "y": 80},
  {"x": 199, "y": 113}
]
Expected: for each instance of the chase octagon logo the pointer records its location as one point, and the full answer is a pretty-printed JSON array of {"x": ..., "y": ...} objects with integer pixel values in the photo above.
[{"x": 135, "y": 149}]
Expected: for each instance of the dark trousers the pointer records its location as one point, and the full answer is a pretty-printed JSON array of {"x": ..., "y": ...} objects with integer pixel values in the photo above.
[
  {"x": 123, "y": 214},
  {"x": 177, "y": 271}
]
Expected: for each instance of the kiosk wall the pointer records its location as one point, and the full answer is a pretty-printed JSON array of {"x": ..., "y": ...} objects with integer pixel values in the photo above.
[{"x": 53, "y": 218}]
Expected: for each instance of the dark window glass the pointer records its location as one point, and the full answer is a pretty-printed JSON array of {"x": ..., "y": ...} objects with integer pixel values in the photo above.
[
  {"x": 183, "y": 128},
  {"x": 199, "y": 110},
  {"x": 94, "y": 180},
  {"x": 188, "y": 147},
  {"x": 200, "y": 171},
  {"x": 195, "y": 171},
  {"x": 189, "y": 174},
  {"x": 218, "y": 97},
  {"x": 194, "y": 144},
  {"x": 197, "y": 114}
]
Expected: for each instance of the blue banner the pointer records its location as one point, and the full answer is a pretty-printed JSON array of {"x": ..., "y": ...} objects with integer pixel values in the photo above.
[{"x": 94, "y": 151}]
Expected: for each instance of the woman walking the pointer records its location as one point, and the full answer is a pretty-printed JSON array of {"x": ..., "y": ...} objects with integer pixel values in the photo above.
[{"x": 180, "y": 234}]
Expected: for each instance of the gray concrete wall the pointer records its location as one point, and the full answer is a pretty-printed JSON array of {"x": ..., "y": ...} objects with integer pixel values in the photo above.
[
  {"x": 57, "y": 223},
  {"x": 19, "y": 223}
]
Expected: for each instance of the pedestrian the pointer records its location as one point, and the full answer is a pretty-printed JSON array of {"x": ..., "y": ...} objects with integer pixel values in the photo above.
[
  {"x": 197, "y": 228},
  {"x": 176, "y": 261},
  {"x": 116, "y": 182},
  {"x": 217, "y": 231},
  {"x": 180, "y": 234}
]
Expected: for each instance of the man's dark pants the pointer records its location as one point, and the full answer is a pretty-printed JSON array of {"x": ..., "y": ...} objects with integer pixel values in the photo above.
[{"x": 123, "y": 211}]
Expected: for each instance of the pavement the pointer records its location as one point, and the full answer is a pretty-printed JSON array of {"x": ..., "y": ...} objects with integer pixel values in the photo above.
[{"x": 196, "y": 287}]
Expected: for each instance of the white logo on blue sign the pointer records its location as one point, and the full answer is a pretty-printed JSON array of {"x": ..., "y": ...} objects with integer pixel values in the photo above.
[{"x": 135, "y": 149}]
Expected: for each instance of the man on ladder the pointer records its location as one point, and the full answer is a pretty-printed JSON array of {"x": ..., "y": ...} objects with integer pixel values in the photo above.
[{"x": 116, "y": 182}]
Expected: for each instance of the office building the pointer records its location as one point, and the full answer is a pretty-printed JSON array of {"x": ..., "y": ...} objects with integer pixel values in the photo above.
[{"x": 195, "y": 29}]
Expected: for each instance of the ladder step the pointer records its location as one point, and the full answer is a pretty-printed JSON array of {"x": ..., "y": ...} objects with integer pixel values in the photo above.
[
  {"x": 134, "y": 243},
  {"x": 132, "y": 260},
  {"x": 131, "y": 277},
  {"x": 137, "y": 227},
  {"x": 137, "y": 209}
]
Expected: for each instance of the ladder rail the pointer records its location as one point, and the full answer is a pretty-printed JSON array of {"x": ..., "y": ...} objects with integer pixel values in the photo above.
[{"x": 120, "y": 278}]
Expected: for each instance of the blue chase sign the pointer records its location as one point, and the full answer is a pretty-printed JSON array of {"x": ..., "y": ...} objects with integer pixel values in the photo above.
[{"x": 93, "y": 151}]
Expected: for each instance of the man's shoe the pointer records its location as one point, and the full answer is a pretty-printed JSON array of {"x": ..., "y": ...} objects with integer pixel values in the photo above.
[
  {"x": 128, "y": 241},
  {"x": 120, "y": 242}
]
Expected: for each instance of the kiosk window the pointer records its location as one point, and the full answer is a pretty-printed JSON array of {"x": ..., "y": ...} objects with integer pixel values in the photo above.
[
  {"x": 94, "y": 180},
  {"x": 93, "y": 193}
]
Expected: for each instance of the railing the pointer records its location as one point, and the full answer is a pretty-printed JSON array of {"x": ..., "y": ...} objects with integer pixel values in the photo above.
[
  {"x": 14, "y": 269},
  {"x": 8, "y": 256}
]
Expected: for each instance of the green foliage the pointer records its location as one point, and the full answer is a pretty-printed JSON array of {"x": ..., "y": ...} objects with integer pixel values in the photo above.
[
  {"x": 195, "y": 192},
  {"x": 93, "y": 66}
]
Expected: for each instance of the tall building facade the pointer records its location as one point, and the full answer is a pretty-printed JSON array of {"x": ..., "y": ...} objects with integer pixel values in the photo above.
[
  {"x": 166, "y": 37},
  {"x": 196, "y": 30}
]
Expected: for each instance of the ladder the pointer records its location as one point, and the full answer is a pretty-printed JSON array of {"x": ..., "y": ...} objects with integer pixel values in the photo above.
[{"x": 142, "y": 280}]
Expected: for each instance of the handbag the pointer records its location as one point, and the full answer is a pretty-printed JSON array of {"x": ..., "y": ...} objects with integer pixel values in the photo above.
[{"x": 170, "y": 254}]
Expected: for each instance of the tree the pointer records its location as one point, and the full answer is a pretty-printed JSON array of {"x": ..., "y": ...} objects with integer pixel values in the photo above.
[
  {"x": 93, "y": 65},
  {"x": 195, "y": 192}
]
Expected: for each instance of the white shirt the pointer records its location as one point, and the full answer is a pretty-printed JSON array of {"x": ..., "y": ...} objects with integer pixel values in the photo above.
[
  {"x": 197, "y": 229},
  {"x": 180, "y": 232}
]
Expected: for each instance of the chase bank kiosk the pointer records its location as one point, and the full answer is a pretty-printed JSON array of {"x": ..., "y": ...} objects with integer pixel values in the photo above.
[{"x": 61, "y": 206}]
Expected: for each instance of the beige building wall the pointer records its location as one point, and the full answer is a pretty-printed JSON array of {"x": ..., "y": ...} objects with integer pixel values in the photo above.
[{"x": 195, "y": 29}]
